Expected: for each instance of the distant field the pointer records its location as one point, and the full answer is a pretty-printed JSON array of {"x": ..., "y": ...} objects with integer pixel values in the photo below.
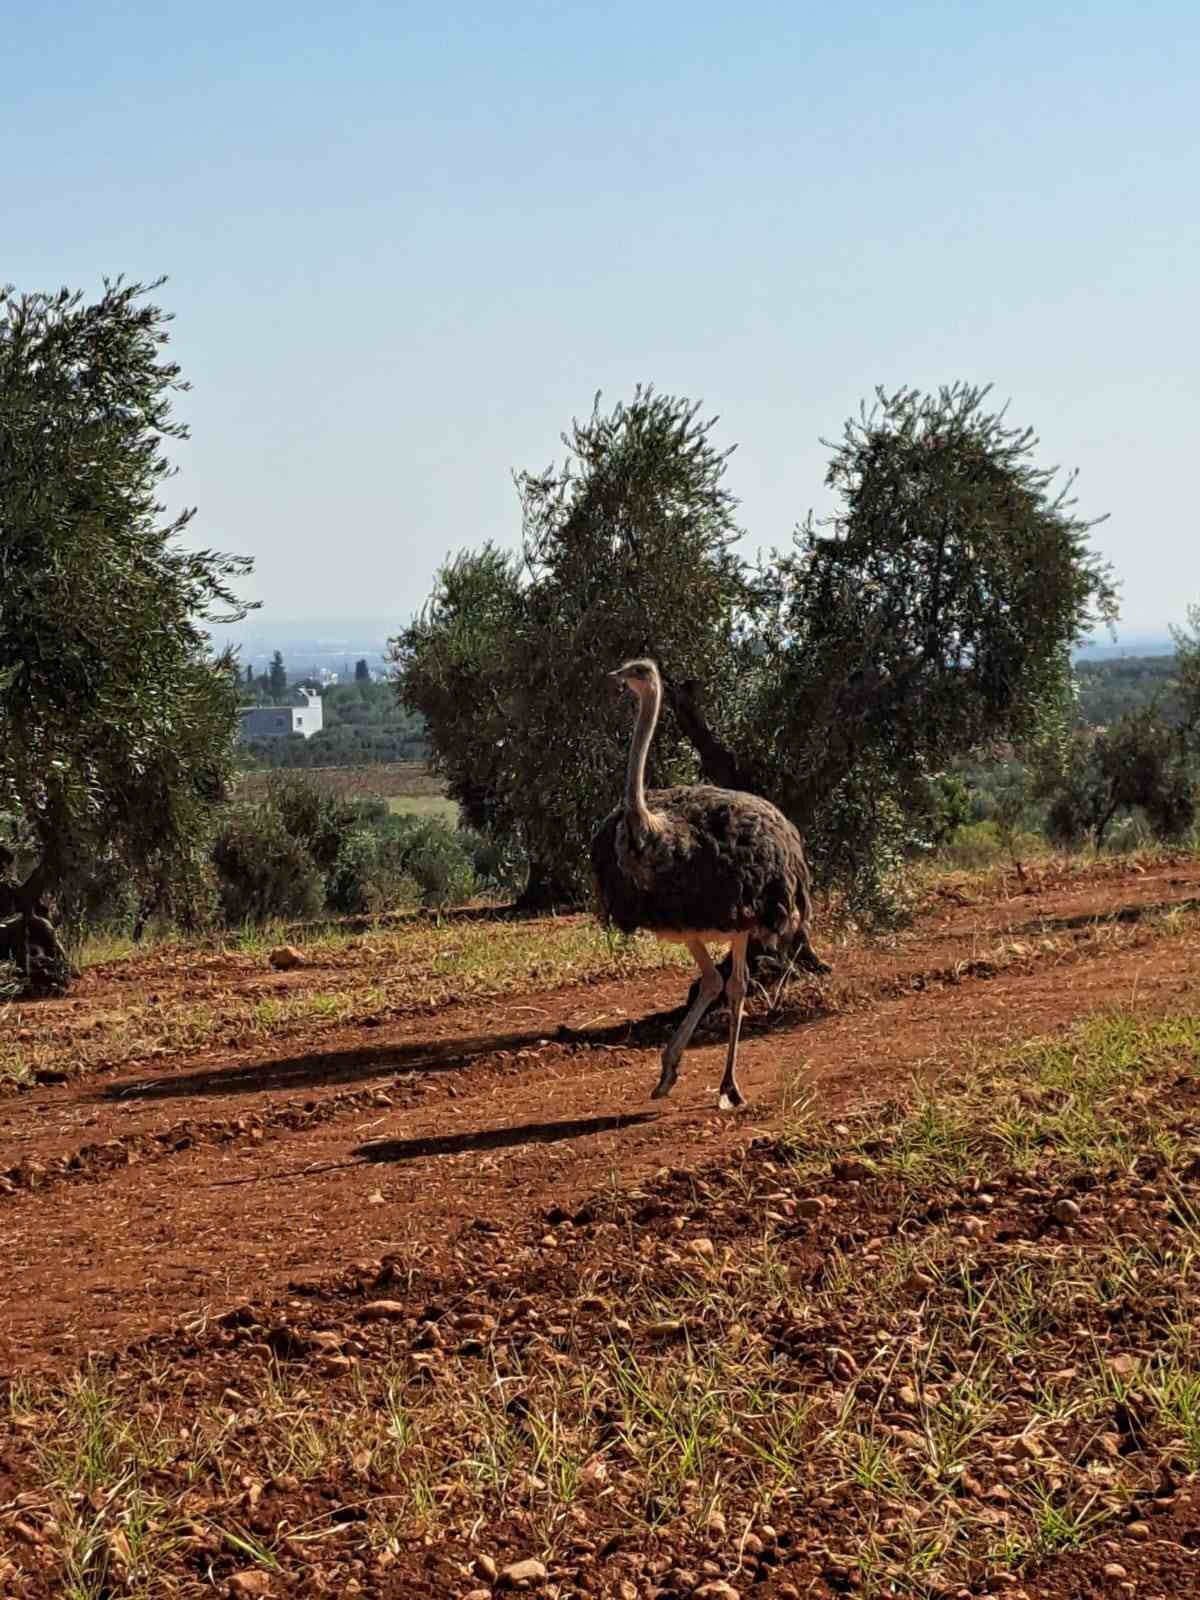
[
  {"x": 424, "y": 805},
  {"x": 408, "y": 787},
  {"x": 399, "y": 780}
]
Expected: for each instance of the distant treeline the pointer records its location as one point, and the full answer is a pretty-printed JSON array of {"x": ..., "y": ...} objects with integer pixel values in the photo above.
[
  {"x": 1109, "y": 689},
  {"x": 365, "y": 725}
]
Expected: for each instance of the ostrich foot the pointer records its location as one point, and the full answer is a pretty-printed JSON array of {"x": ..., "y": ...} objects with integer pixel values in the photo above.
[
  {"x": 670, "y": 1072},
  {"x": 731, "y": 1098}
]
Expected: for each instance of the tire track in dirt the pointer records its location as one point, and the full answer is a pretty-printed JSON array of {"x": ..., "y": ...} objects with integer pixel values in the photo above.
[{"x": 93, "y": 1266}]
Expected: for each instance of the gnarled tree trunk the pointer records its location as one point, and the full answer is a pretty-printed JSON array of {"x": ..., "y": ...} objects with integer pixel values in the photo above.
[{"x": 28, "y": 941}]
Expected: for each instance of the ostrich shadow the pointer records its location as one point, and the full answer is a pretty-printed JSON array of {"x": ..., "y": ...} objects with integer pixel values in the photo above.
[
  {"x": 324, "y": 1068},
  {"x": 526, "y": 1133}
]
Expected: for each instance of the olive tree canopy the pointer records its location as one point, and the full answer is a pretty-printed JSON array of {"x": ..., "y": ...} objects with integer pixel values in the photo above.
[{"x": 116, "y": 726}]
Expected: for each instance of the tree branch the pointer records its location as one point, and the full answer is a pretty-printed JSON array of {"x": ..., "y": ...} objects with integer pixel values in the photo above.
[{"x": 718, "y": 763}]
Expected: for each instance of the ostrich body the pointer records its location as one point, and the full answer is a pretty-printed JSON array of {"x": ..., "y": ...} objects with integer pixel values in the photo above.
[{"x": 693, "y": 864}]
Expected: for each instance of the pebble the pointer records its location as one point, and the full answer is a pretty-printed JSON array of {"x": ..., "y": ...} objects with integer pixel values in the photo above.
[
  {"x": 1065, "y": 1212},
  {"x": 1114, "y": 1570},
  {"x": 528, "y": 1571},
  {"x": 487, "y": 1568},
  {"x": 251, "y": 1585},
  {"x": 381, "y": 1311},
  {"x": 283, "y": 960}
]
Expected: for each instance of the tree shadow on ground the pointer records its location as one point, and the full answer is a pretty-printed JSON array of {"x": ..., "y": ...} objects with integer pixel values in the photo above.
[{"x": 450, "y": 1144}]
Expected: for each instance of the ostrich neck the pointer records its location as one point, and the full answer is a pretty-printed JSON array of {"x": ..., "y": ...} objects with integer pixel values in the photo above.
[{"x": 636, "y": 811}]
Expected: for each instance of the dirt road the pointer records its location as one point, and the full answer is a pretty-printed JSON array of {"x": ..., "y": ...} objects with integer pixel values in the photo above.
[{"x": 168, "y": 1190}]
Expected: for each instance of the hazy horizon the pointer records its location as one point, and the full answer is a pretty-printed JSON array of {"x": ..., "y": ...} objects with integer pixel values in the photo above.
[{"x": 405, "y": 247}]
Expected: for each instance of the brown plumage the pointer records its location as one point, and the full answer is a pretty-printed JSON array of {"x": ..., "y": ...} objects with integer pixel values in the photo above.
[{"x": 696, "y": 863}]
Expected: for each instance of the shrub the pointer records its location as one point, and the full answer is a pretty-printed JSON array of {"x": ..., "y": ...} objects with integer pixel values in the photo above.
[
  {"x": 369, "y": 875},
  {"x": 434, "y": 855},
  {"x": 262, "y": 871},
  {"x": 498, "y": 864}
]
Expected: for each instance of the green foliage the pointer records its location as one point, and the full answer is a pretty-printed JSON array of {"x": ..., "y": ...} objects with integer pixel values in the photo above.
[
  {"x": 277, "y": 678},
  {"x": 1140, "y": 763},
  {"x": 1187, "y": 675},
  {"x": 627, "y": 546},
  {"x": 318, "y": 820},
  {"x": 302, "y": 850},
  {"x": 933, "y": 613},
  {"x": 116, "y": 728},
  {"x": 369, "y": 875},
  {"x": 434, "y": 856},
  {"x": 263, "y": 873},
  {"x": 1107, "y": 690}
]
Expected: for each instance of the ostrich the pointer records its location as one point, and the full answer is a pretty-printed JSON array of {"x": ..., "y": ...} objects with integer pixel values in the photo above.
[{"x": 696, "y": 863}]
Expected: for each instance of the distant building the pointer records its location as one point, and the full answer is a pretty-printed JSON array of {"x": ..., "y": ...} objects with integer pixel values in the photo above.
[{"x": 276, "y": 722}]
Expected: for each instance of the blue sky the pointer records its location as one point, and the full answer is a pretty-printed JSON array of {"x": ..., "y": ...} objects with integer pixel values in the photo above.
[{"x": 406, "y": 244}]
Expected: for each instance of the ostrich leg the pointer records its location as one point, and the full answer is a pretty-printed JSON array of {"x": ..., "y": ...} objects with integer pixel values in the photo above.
[
  {"x": 710, "y": 988},
  {"x": 735, "y": 990}
]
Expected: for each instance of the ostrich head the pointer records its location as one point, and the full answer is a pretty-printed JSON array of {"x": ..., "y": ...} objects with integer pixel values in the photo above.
[{"x": 640, "y": 677}]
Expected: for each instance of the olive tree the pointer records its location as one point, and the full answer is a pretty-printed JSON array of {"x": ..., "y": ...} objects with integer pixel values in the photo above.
[
  {"x": 626, "y": 549},
  {"x": 116, "y": 725},
  {"x": 932, "y": 613}
]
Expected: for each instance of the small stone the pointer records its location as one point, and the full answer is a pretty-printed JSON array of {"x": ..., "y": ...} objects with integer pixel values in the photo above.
[
  {"x": 809, "y": 1206},
  {"x": 325, "y": 1339},
  {"x": 381, "y": 1311},
  {"x": 704, "y": 1248},
  {"x": 528, "y": 1571},
  {"x": 477, "y": 1322},
  {"x": 336, "y": 1366},
  {"x": 627, "y": 1590},
  {"x": 718, "y": 1589},
  {"x": 478, "y": 1594},
  {"x": 1115, "y": 1571},
  {"x": 918, "y": 1282},
  {"x": 283, "y": 960},
  {"x": 717, "y": 1527},
  {"x": 249, "y": 1585},
  {"x": 1065, "y": 1212},
  {"x": 1138, "y": 1530},
  {"x": 486, "y": 1568},
  {"x": 908, "y": 1397},
  {"x": 375, "y": 1198}
]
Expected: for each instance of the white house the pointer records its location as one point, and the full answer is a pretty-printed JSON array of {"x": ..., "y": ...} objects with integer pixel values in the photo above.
[{"x": 276, "y": 722}]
